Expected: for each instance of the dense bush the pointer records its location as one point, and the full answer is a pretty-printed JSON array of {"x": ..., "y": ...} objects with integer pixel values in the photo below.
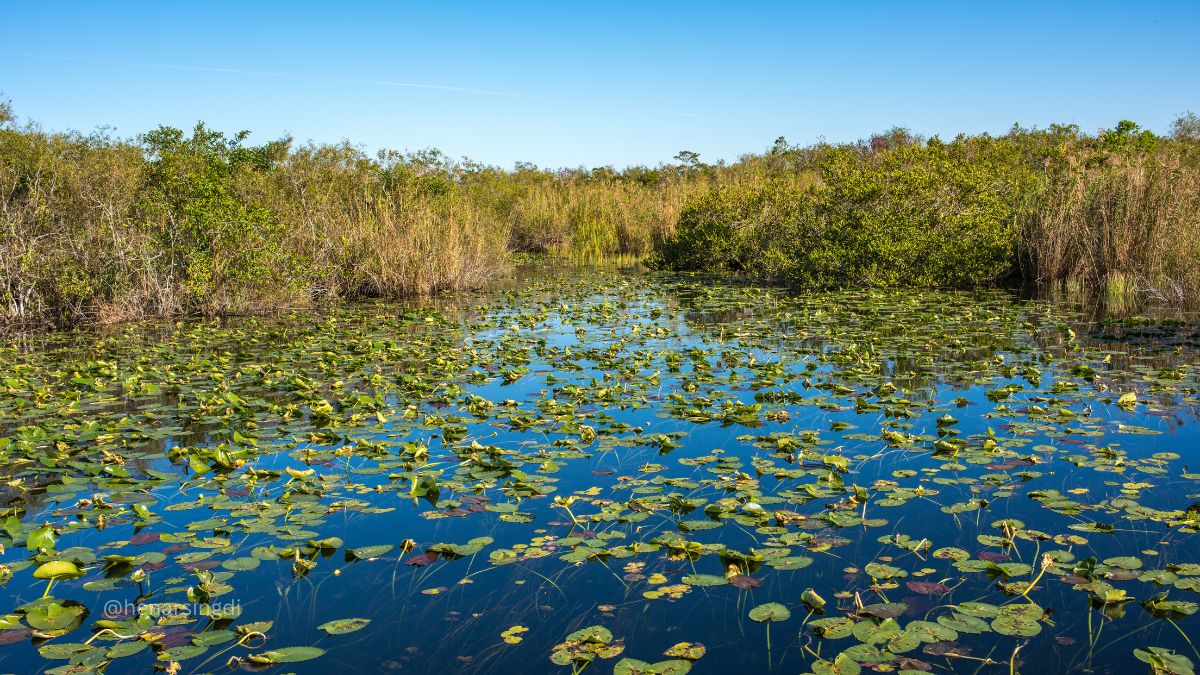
[
  {"x": 916, "y": 215},
  {"x": 227, "y": 251},
  {"x": 1047, "y": 206}
]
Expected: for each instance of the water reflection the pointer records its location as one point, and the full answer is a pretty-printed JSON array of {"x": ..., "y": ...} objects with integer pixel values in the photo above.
[{"x": 706, "y": 428}]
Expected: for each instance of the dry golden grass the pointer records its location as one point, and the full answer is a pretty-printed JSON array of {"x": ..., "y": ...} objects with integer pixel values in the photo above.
[{"x": 1128, "y": 221}]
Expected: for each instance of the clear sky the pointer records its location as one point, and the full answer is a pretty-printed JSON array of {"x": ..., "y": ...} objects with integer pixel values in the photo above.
[{"x": 571, "y": 83}]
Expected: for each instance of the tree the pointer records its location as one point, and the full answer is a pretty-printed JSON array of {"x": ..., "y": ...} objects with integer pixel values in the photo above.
[
  {"x": 1186, "y": 128},
  {"x": 688, "y": 159},
  {"x": 1128, "y": 136}
]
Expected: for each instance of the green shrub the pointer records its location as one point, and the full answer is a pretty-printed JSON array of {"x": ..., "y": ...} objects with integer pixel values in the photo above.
[
  {"x": 922, "y": 215},
  {"x": 222, "y": 246}
]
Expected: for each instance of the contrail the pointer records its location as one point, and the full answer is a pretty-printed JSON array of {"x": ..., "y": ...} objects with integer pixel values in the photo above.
[{"x": 263, "y": 73}]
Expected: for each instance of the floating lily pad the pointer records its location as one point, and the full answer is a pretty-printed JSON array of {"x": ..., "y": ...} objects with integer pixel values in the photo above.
[
  {"x": 771, "y": 611},
  {"x": 342, "y": 626}
]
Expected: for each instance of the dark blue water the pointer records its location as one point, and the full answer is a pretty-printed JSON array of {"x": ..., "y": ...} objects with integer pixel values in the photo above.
[{"x": 644, "y": 362}]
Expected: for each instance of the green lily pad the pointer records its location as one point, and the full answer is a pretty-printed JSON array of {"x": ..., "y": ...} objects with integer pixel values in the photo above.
[
  {"x": 771, "y": 611},
  {"x": 341, "y": 626}
]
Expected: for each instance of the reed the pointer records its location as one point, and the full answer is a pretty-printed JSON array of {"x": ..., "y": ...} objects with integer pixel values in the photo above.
[
  {"x": 101, "y": 229},
  {"x": 1131, "y": 221}
]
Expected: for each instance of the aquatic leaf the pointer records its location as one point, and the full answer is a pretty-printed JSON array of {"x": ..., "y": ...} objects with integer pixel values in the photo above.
[
  {"x": 57, "y": 569},
  {"x": 842, "y": 664},
  {"x": 341, "y": 626},
  {"x": 64, "y": 650},
  {"x": 181, "y": 653},
  {"x": 41, "y": 538},
  {"x": 512, "y": 635},
  {"x": 704, "y": 580},
  {"x": 790, "y": 563},
  {"x": 885, "y": 610},
  {"x": 927, "y": 587},
  {"x": 833, "y": 628},
  {"x": 52, "y": 616},
  {"x": 882, "y": 571},
  {"x": 628, "y": 666},
  {"x": 1165, "y": 661},
  {"x": 241, "y": 564},
  {"x": 212, "y": 637},
  {"x": 368, "y": 552},
  {"x": 585, "y": 645},
  {"x": 931, "y": 632},
  {"x": 771, "y": 611},
  {"x": 129, "y": 648},
  {"x": 964, "y": 623},
  {"x": 1020, "y": 620},
  {"x": 686, "y": 650},
  {"x": 422, "y": 559},
  {"x": 744, "y": 582},
  {"x": 870, "y": 632},
  {"x": 1163, "y": 608},
  {"x": 286, "y": 655}
]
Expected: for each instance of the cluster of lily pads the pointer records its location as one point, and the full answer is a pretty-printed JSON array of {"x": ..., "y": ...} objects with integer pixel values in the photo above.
[{"x": 903, "y": 482}]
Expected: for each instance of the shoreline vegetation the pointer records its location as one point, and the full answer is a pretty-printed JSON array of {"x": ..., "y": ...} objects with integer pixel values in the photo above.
[{"x": 97, "y": 229}]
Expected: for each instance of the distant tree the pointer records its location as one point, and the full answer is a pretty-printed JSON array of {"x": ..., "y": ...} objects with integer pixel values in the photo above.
[
  {"x": 896, "y": 137},
  {"x": 602, "y": 173},
  {"x": 213, "y": 238},
  {"x": 1186, "y": 128},
  {"x": 642, "y": 175},
  {"x": 688, "y": 159},
  {"x": 1128, "y": 137}
]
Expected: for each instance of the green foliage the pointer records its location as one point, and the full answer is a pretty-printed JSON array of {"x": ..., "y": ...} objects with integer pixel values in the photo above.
[
  {"x": 222, "y": 245},
  {"x": 715, "y": 227},
  {"x": 1128, "y": 137},
  {"x": 914, "y": 215},
  {"x": 94, "y": 228},
  {"x": 1046, "y": 206}
]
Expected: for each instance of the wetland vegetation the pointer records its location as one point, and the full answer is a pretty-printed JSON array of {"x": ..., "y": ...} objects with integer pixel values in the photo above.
[
  {"x": 602, "y": 471},
  {"x": 103, "y": 229},
  {"x": 806, "y": 426}
]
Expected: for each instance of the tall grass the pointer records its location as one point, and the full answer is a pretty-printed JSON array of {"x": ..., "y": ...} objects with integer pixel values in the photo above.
[
  {"x": 100, "y": 229},
  {"x": 1128, "y": 222},
  {"x": 96, "y": 229},
  {"x": 384, "y": 229}
]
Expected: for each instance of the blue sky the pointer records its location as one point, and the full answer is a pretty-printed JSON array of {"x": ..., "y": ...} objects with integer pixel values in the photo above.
[{"x": 592, "y": 83}]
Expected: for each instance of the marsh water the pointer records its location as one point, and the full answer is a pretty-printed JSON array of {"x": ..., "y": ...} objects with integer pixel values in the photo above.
[{"x": 607, "y": 472}]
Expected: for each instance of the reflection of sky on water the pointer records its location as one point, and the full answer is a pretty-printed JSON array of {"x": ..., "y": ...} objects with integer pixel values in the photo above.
[{"x": 457, "y": 629}]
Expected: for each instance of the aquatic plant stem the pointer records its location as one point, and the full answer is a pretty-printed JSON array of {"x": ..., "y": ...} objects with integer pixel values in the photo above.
[
  {"x": 1012, "y": 661},
  {"x": 1185, "y": 637},
  {"x": 1047, "y": 561},
  {"x": 769, "y": 666}
]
